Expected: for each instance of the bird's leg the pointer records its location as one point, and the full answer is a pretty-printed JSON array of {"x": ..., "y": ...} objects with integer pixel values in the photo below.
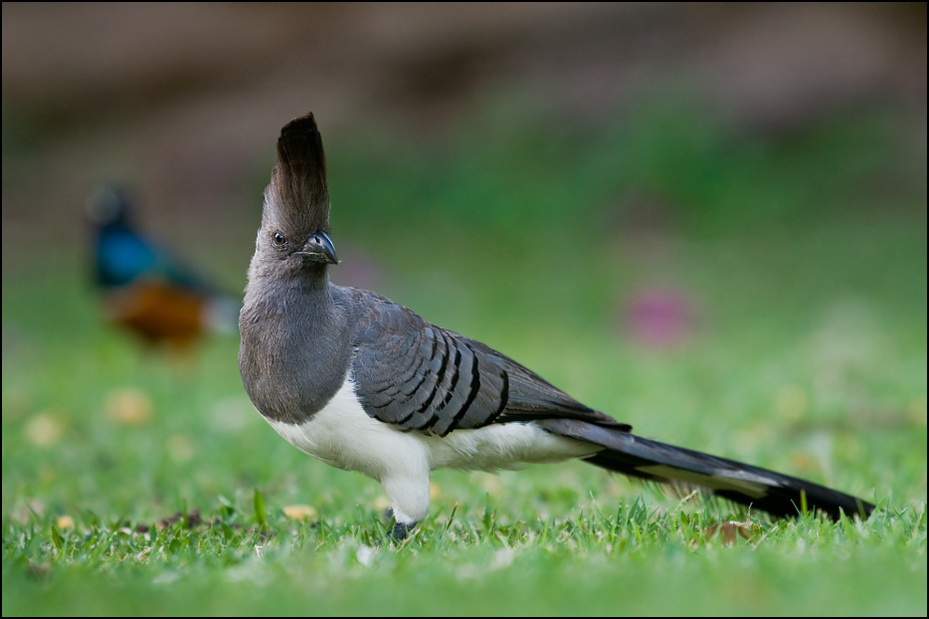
[
  {"x": 409, "y": 500},
  {"x": 400, "y": 529}
]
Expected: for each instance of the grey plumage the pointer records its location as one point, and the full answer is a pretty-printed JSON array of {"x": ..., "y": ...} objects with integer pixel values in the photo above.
[
  {"x": 416, "y": 376},
  {"x": 367, "y": 385}
]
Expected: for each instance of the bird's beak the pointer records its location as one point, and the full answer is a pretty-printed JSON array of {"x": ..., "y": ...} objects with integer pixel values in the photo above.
[{"x": 319, "y": 248}]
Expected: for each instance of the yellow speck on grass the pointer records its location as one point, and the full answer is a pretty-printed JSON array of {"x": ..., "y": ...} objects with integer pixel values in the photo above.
[
  {"x": 129, "y": 407},
  {"x": 300, "y": 512}
]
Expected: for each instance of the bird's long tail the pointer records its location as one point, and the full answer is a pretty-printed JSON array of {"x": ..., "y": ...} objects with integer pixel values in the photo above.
[{"x": 777, "y": 494}]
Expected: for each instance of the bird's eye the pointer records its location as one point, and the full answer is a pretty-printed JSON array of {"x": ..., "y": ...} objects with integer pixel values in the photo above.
[{"x": 278, "y": 239}]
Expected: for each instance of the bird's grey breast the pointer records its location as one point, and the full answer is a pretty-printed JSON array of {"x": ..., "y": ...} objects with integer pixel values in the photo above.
[{"x": 295, "y": 350}]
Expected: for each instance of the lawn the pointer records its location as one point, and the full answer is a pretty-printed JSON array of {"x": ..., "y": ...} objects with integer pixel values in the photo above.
[{"x": 794, "y": 267}]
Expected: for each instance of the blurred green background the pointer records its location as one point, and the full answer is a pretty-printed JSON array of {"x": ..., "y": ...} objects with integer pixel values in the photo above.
[{"x": 706, "y": 220}]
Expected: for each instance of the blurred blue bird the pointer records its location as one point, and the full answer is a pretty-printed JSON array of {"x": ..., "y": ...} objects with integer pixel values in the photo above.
[{"x": 145, "y": 288}]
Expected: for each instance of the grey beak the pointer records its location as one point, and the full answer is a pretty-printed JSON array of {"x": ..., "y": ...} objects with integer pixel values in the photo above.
[{"x": 319, "y": 248}]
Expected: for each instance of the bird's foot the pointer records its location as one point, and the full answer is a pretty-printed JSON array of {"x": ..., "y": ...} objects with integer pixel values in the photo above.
[{"x": 400, "y": 530}]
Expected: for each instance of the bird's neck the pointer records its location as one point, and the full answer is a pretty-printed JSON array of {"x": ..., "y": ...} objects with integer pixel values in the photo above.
[
  {"x": 314, "y": 278},
  {"x": 309, "y": 278}
]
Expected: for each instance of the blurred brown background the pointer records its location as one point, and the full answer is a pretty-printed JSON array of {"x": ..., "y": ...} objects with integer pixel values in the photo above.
[{"x": 183, "y": 100}]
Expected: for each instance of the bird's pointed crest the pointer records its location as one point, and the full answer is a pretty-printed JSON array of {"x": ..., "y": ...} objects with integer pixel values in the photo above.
[{"x": 298, "y": 196}]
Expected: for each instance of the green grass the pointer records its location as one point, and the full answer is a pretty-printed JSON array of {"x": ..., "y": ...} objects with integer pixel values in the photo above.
[{"x": 807, "y": 354}]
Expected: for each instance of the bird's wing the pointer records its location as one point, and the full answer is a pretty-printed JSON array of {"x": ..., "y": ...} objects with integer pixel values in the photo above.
[
  {"x": 417, "y": 376},
  {"x": 125, "y": 257}
]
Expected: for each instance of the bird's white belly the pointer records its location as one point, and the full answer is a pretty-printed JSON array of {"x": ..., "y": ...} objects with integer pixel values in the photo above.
[{"x": 344, "y": 436}]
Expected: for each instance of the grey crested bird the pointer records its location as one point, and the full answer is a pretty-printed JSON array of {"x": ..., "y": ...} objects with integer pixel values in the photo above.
[{"x": 366, "y": 385}]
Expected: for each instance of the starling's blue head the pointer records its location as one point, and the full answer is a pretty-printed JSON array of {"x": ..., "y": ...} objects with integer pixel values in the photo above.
[{"x": 108, "y": 205}]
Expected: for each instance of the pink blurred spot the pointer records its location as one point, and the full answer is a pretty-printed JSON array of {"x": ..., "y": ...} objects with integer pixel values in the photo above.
[{"x": 660, "y": 317}]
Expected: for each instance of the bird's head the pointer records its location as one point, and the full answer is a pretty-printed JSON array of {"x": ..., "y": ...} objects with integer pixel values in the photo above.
[
  {"x": 108, "y": 206},
  {"x": 295, "y": 220}
]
